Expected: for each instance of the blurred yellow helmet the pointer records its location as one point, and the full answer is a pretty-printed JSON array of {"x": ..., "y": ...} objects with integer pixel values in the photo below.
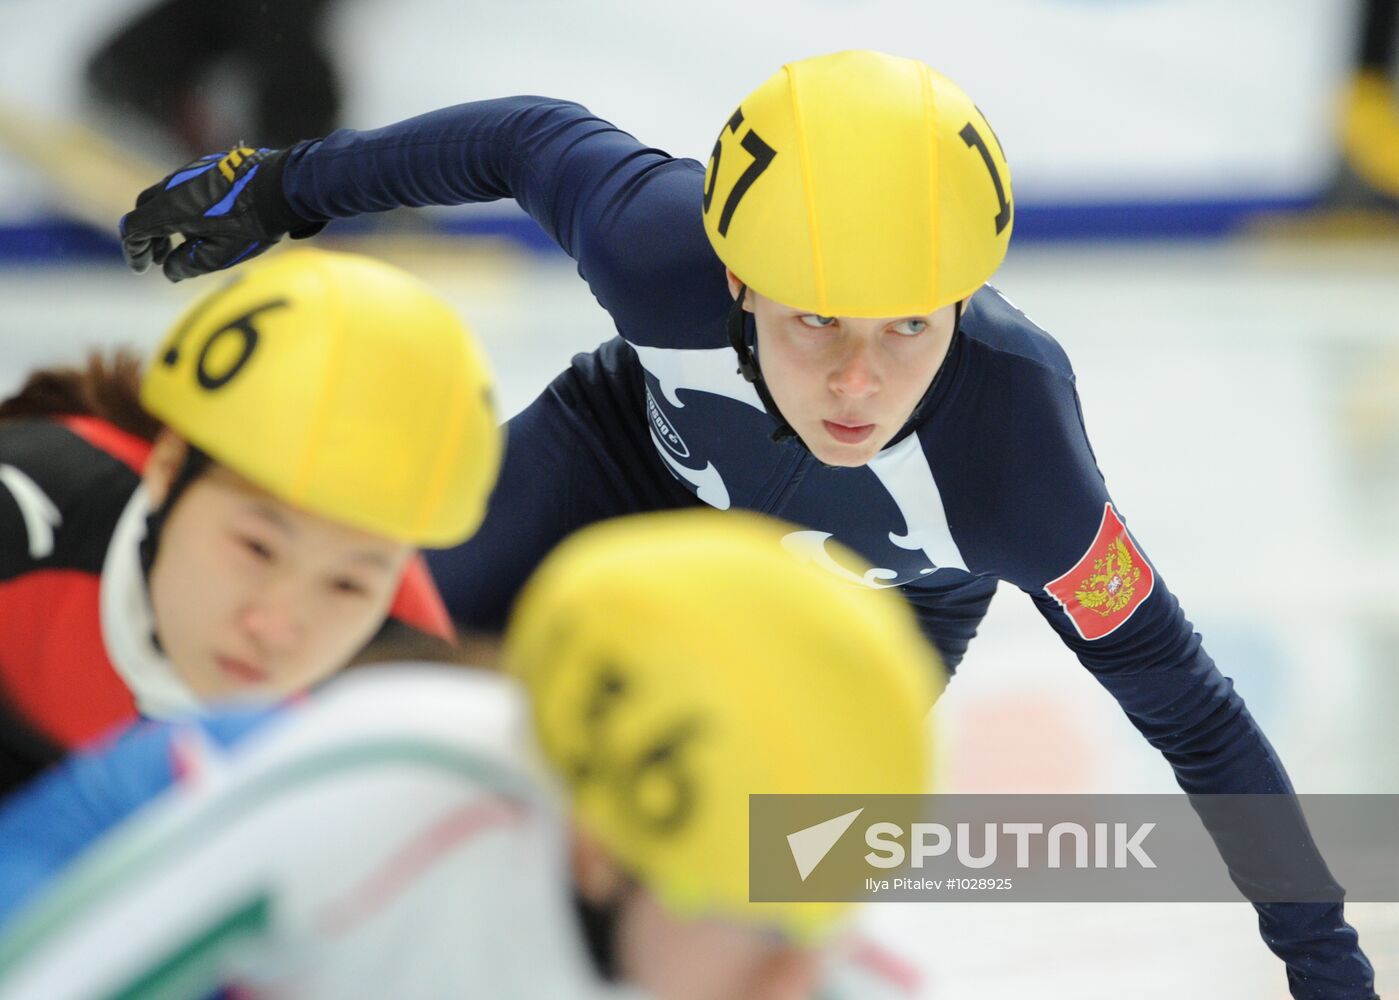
[
  {"x": 859, "y": 184},
  {"x": 677, "y": 663},
  {"x": 342, "y": 386}
]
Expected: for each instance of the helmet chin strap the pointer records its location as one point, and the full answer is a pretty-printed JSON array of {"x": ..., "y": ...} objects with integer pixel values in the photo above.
[
  {"x": 921, "y": 409},
  {"x": 599, "y": 922},
  {"x": 195, "y": 464},
  {"x": 748, "y": 368}
]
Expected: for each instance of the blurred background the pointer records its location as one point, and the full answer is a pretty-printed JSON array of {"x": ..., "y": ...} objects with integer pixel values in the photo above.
[{"x": 1207, "y": 219}]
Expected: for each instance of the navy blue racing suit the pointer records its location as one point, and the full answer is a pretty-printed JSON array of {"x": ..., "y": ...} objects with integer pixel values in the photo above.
[{"x": 997, "y": 481}]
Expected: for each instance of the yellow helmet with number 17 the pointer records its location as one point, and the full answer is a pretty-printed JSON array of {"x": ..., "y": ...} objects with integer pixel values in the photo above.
[{"x": 859, "y": 184}]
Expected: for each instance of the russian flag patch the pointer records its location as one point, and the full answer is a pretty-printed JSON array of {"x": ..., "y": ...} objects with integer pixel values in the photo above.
[{"x": 1107, "y": 585}]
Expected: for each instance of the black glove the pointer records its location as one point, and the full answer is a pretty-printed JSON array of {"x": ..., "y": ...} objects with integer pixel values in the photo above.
[{"x": 228, "y": 206}]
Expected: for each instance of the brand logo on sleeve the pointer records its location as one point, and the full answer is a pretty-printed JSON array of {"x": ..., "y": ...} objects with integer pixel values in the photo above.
[
  {"x": 1107, "y": 585},
  {"x": 40, "y": 515},
  {"x": 665, "y": 433},
  {"x": 232, "y": 160}
]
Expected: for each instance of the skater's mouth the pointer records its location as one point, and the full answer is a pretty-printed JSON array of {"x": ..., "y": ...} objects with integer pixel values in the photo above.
[
  {"x": 848, "y": 433},
  {"x": 242, "y": 671}
]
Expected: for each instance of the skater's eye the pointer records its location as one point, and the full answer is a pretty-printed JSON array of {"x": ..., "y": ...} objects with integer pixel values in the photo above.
[
  {"x": 910, "y": 327},
  {"x": 818, "y": 322},
  {"x": 348, "y": 586},
  {"x": 255, "y": 548}
]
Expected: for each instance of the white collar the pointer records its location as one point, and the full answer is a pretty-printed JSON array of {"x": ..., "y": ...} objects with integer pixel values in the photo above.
[{"x": 128, "y": 624}]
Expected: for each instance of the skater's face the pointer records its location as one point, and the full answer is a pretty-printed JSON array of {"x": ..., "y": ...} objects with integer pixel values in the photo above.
[
  {"x": 255, "y": 598},
  {"x": 672, "y": 958},
  {"x": 846, "y": 385}
]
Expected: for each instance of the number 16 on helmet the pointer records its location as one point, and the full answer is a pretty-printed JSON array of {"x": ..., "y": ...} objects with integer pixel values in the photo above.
[{"x": 341, "y": 385}]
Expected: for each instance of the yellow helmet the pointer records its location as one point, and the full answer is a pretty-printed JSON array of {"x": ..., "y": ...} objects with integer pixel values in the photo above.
[
  {"x": 678, "y": 662},
  {"x": 340, "y": 385},
  {"x": 859, "y": 184}
]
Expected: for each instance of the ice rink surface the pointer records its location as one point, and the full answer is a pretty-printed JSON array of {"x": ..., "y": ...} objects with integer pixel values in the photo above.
[{"x": 1243, "y": 402}]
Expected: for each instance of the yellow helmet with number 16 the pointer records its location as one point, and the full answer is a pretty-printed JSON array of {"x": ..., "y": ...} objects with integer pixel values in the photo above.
[
  {"x": 859, "y": 184},
  {"x": 678, "y": 662},
  {"x": 341, "y": 385}
]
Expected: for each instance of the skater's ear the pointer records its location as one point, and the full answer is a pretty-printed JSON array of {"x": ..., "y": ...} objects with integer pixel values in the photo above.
[
  {"x": 166, "y": 458},
  {"x": 595, "y": 874},
  {"x": 735, "y": 284}
]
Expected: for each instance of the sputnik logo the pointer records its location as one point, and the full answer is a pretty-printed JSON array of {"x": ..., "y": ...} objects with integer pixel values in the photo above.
[{"x": 811, "y": 845}]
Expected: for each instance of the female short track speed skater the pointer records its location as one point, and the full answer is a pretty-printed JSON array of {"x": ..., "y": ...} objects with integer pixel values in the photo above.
[
  {"x": 392, "y": 835},
  {"x": 837, "y": 247},
  {"x": 254, "y": 523}
]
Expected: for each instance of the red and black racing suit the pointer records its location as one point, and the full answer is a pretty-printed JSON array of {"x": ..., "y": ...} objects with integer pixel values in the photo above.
[{"x": 65, "y": 483}]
